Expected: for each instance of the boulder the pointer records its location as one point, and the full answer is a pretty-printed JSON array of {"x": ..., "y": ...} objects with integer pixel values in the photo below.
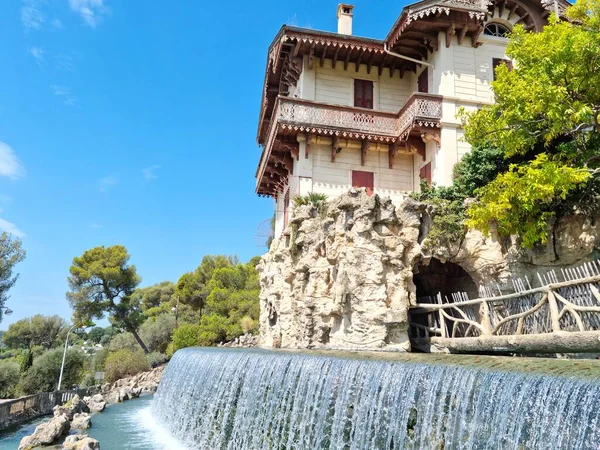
[
  {"x": 81, "y": 442},
  {"x": 73, "y": 406},
  {"x": 46, "y": 433},
  {"x": 96, "y": 403},
  {"x": 81, "y": 421}
]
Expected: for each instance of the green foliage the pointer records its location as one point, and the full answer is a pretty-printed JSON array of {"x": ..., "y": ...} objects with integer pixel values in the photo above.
[
  {"x": 44, "y": 373},
  {"x": 102, "y": 282},
  {"x": 522, "y": 200},
  {"x": 99, "y": 360},
  {"x": 124, "y": 363},
  {"x": 11, "y": 253},
  {"x": 185, "y": 336},
  {"x": 476, "y": 169},
  {"x": 45, "y": 331},
  {"x": 109, "y": 332},
  {"x": 154, "y": 296},
  {"x": 313, "y": 199},
  {"x": 9, "y": 379},
  {"x": 88, "y": 380},
  {"x": 448, "y": 215},
  {"x": 123, "y": 341},
  {"x": 96, "y": 334},
  {"x": 545, "y": 123},
  {"x": 156, "y": 359},
  {"x": 156, "y": 332}
]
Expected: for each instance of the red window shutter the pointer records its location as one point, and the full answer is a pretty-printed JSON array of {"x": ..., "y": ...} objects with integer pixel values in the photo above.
[
  {"x": 363, "y": 94},
  {"x": 362, "y": 179},
  {"x": 423, "y": 81},
  {"x": 425, "y": 172}
]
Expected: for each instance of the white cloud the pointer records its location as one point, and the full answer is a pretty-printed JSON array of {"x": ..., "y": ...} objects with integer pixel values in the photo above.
[
  {"x": 65, "y": 62},
  {"x": 149, "y": 172},
  {"x": 105, "y": 183},
  {"x": 57, "y": 23},
  {"x": 38, "y": 54},
  {"x": 10, "y": 166},
  {"x": 11, "y": 228},
  {"x": 64, "y": 93},
  {"x": 31, "y": 15},
  {"x": 90, "y": 11}
]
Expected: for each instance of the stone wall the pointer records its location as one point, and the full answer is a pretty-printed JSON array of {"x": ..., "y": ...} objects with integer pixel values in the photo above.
[{"x": 342, "y": 276}]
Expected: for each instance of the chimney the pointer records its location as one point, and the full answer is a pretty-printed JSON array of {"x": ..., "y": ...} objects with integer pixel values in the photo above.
[{"x": 344, "y": 16}]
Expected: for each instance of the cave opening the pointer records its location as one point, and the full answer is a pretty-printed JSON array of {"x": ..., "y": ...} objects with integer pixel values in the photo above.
[
  {"x": 430, "y": 280},
  {"x": 444, "y": 278}
]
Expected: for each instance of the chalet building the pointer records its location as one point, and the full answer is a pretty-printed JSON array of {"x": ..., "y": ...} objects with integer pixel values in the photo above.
[{"x": 340, "y": 110}]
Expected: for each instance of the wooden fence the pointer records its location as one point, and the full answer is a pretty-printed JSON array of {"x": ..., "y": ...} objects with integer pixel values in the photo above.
[
  {"x": 14, "y": 412},
  {"x": 556, "y": 317}
]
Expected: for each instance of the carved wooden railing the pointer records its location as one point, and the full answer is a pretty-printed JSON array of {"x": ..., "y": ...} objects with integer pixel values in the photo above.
[
  {"x": 425, "y": 109},
  {"x": 570, "y": 306}
]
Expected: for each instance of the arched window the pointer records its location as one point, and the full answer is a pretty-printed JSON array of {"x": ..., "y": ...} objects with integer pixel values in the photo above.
[{"x": 496, "y": 29}]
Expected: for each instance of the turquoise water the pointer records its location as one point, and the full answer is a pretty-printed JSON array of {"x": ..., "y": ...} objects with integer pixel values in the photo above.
[{"x": 126, "y": 426}]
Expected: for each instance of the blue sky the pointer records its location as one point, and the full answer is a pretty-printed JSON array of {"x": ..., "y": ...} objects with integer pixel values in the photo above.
[{"x": 133, "y": 122}]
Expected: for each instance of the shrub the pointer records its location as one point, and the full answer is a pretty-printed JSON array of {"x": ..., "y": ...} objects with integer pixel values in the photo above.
[
  {"x": 248, "y": 324},
  {"x": 155, "y": 359},
  {"x": 123, "y": 363},
  {"x": 156, "y": 332},
  {"x": 123, "y": 341},
  {"x": 185, "y": 336},
  {"x": 44, "y": 373},
  {"x": 88, "y": 380},
  {"x": 99, "y": 360},
  {"x": 9, "y": 379}
]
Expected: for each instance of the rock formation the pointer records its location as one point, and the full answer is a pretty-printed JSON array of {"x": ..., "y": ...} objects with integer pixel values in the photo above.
[
  {"x": 343, "y": 274},
  {"x": 81, "y": 442},
  {"x": 81, "y": 421},
  {"x": 46, "y": 433}
]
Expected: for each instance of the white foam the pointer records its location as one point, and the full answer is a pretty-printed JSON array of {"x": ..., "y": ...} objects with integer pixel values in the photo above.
[{"x": 157, "y": 434}]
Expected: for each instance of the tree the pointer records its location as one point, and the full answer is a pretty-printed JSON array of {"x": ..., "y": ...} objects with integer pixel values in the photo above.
[
  {"x": 11, "y": 253},
  {"x": 96, "y": 334},
  {"x": 102, "y": 282},
  {"x": 154, "y": 296},
  {"x": 9, "y": 379},
  {"x": 45, "y": 331},
  {"x": 545, "y": 123},
  {"x": 44, "y": 373}
]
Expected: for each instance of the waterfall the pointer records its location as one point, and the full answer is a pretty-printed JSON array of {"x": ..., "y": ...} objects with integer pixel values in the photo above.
[{"x": 215, "y": 399}]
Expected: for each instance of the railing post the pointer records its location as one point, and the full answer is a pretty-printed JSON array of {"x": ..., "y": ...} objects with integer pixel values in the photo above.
[
  {"x": 553, "y": 306},
  {"x": 486, "y": 321},
  {"x": 442, "y": 323}
]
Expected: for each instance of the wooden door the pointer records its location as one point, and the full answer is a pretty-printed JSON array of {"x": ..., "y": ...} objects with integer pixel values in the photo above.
[{"x": 363, "y": 179}]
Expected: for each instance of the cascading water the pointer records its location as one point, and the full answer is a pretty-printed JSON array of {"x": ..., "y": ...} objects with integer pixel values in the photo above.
[{"x": 215, "y": 399}]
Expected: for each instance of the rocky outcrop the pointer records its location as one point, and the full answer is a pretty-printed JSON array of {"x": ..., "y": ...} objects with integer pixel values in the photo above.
[
  {"x": 342, "y": 278},
  {"x": 343, "y": 275},
  {"x": 133, "y": 386},
  {"x": 81, "y": 421},
  {"x": 74, "y": 406},
  {"x": 47, "y": 433},
  {"x": 247, "y": 340},
  {"x": 96, "y": 403},
  {"x": 81, "y": 442}
]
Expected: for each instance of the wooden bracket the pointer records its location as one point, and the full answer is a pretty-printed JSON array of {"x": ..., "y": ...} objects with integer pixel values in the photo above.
[
  {"x": 311, "y": 55},
  {"x": 335, "y": 57},
  {"x": 462, "y": 34},
  {"x": 334, "y": 147},
  {"x": 450, "y": 31},
  {"x": 309, "y": 140},
  {"x": 366, "y": 145},
  {"x": 475, "y": 37},
  {"x": 392, "y": 153}
]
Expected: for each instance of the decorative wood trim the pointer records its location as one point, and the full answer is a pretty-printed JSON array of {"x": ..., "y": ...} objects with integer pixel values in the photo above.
[
  {"x": 358, "y": 61},
  {"x": 462, "y": 34},
  {"x": 335, "y": 57},
  {"x": 450, "y": 31}
]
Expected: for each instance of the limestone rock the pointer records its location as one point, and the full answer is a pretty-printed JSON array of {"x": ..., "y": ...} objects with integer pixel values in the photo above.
[
  {"x": 81, "y": 442},
  {"x": 345, "y": 276},
  {"x": 96, "y": 403},
  {"x": 73, "y": 406},
  {"x": 46, "y": 433},
  {"x": 81, "y": 421}
]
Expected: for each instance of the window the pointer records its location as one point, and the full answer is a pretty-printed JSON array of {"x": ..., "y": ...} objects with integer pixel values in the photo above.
[
  {"x": 496, "y": 29},
  {"x": 363, "y": 179},
  {"x": 423, "y": 81},
  {"x": 497, "y": 61},
  {"x": 363, "y": 94}
]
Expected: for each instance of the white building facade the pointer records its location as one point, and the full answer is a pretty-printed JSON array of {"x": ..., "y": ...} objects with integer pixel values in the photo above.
[{"x": 340, "y": 111}]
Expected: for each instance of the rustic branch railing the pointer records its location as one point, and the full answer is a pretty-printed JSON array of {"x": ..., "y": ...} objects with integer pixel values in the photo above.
[
  {"x": 572, "y": 306},
  {"x": 16, "y": 411}
]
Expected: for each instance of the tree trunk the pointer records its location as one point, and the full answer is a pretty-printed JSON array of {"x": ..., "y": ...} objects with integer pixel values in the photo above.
[
  {"x": 138, "y": 339},
  {"x": 561, "y": 342}
]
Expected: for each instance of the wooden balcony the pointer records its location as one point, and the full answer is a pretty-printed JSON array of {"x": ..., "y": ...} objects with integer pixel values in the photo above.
[
  {"x": 295, "y": 115},
  {"x": 292, "y": 116}
]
